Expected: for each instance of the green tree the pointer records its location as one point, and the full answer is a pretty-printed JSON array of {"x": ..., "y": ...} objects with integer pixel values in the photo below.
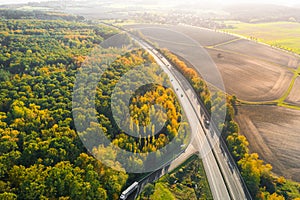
[
  {"x": 8, "y": 196},
  {"x": 252, "y": 169},
  {"x": 238, "y": 145},
  {"x": 148, "y": 190}
]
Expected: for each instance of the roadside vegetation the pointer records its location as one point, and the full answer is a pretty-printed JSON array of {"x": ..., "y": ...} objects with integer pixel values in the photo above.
[
  {"x": 198, "y": 84},
  {"x": 257, "y": 175},
  {"x": 188, "y": 181}
]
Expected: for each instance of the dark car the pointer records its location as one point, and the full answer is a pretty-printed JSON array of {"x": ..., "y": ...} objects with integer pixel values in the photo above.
[{"x": 206, "y": 123}]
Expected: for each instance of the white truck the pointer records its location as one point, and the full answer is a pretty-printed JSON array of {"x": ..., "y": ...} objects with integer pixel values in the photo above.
[{"x": 129, "y": 190}]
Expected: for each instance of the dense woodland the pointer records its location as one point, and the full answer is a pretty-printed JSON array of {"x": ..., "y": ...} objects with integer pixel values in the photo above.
[
  {"x": 257, "y": 175},
  {"x": 36, "y": 14},
  {"x": 41, "y": 155},
  {"x": 147, "y": 136}
]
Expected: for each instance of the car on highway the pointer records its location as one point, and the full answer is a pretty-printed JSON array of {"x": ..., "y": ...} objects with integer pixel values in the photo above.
[{"x": 206, "y": 123}]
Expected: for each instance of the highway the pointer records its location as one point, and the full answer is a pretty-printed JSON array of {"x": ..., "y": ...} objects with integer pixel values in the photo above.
[
  {"x": 217, "y": 184},
  {"x": 222, "y": 173},
  {"x": 223, "y": 176}
]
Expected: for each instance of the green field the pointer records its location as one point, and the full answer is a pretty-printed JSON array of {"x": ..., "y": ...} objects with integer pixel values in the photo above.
[{"x": 285, "y": 35}]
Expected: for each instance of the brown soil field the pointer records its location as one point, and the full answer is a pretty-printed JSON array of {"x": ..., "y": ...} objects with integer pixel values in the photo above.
[
  {"x": 262, "y": 52},
  {"x": 251, "y": 79},
  {"x": 273, "y": 133},
  {"x": 204, "y": 37},
  {"x": 186, "y": 48},
  {"x": 207, "y": 37},
  {"x": 294, "y": 96}
]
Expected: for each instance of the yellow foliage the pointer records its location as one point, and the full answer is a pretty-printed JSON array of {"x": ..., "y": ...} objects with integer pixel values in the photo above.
[
  {"x": 275, "y": 196},
  {"x": 281, "y": 180}
]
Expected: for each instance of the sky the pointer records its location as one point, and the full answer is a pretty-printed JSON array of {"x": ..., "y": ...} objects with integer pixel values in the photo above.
[
  {"x": 18, "y": 1},
  {"x": 280, "y": 2}
]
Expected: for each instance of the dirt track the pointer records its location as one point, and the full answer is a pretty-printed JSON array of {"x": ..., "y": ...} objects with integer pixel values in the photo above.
[
  {"x": 273, "y": 132},
  {"x": 294, "y": 96}
]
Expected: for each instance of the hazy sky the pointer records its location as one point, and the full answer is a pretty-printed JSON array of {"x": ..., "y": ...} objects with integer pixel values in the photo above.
[{"x": 281, "y": 2}]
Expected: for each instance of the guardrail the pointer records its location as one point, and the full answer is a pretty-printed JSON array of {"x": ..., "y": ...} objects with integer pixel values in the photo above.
[
  {"x": 222, "y": 142},
  {"x": 212, "y": 124}
]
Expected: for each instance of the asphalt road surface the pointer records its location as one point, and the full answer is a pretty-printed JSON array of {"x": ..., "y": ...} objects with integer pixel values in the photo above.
[{"x": 224, "y": 178}]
